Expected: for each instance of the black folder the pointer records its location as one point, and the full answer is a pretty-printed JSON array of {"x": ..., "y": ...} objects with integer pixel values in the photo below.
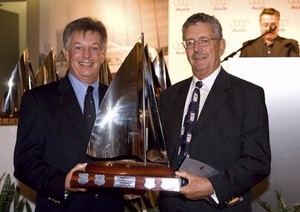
[{"x": 197, "y": 168}]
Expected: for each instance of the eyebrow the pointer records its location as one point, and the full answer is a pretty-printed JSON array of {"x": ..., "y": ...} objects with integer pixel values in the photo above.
[{"x": 76, "y": 42}]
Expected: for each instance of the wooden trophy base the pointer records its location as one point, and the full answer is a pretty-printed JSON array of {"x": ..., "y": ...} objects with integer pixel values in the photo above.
[
  {"x": 9, "y": 119},
  {"x": 126, "y": 174}
]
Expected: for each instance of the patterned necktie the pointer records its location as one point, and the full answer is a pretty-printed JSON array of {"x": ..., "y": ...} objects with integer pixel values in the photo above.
[
  {"x": 89, "y": 108},
  {"x": 190, "y": 121}
]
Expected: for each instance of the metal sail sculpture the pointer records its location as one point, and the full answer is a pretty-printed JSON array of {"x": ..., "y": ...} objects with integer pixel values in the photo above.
[
  {"x": 121, "y": 127},
  {"x": 161, "y": 71},
  {"x": 21, "y": 80},
  {"x": 105, "y": 76},
  {"x": 128, "y": 135},
  {"x": 46, "y": 73}
]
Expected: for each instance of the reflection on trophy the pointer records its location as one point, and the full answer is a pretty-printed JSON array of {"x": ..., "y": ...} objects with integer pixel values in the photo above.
[
  {"x": 127, "y": 136},
  {"x": 21, "y": 79}
]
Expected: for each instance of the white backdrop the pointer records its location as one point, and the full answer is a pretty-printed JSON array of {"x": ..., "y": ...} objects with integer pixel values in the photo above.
[
  {"x": 283, "y": 103},
  {"x": 240, "y": 22}
]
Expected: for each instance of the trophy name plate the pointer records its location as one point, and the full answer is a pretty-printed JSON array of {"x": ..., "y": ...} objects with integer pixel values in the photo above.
[{"x": 125, "y": 174}]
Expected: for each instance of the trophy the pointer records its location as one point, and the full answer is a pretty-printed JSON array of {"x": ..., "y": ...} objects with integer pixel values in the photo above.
[
  {"x": 21, "y": 79},
  {"x": 127, "y": 137}
]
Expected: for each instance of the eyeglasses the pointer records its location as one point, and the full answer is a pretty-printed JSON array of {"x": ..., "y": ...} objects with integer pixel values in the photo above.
[{"x": 203, "y": 42}]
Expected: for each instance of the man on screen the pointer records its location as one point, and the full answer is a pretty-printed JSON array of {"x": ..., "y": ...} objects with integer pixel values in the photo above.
[{"x": 271, "y": 44}]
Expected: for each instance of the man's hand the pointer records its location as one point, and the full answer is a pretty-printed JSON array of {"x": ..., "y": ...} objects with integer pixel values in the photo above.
[
  {"x": 197, "y": 187},
  {"x": 79, "y": 166}
]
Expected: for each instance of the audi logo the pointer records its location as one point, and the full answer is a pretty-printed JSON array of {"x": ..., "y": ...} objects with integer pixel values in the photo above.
[
  {"x": 182, "y": 3},
  {"x": 294, "y": 1},
  {"x": 220, "y": 2},
  {"x": 258, "y": 2},
  {"x": 177, "y": 46},
  {"x": 239, "y": 23},
  {"x": 283, "y": 22}
]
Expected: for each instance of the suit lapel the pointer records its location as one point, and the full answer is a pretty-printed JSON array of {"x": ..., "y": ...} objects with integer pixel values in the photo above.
[
  {"x": 177, "y": 111},
  {"x": 215, "y": 98},
  {"x": 71, "y": 108},
  {"x": 277, "y": 48},
  {"x": 102, "y": 91},
  {"x": 259, "y": 47}
]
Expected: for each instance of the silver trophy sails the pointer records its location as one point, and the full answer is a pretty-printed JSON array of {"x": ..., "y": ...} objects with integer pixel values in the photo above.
[
  {"x": 127, "y": 135},
  {"x": 127, "y": 123},
  {"x": 21, "y": 80}
]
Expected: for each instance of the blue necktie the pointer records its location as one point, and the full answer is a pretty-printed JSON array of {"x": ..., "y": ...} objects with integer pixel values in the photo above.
[
  {"x": 190, "y": 121},
  {"x": 89, "y": 108}
]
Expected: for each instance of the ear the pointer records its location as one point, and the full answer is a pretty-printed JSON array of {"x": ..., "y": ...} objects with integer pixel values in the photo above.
[
  {"x": 66, "y": 54},
  {"x": 222, "y": 46}
]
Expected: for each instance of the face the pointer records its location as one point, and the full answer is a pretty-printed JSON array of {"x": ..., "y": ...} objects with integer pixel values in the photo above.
[
  {"x": 85, "y": 56},
  {"x": 266, "y": 21},
  {"x": 204, "y": 60}
]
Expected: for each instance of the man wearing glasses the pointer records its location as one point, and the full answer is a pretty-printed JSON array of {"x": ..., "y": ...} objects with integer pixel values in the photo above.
[{"x": 231, "y": 132}]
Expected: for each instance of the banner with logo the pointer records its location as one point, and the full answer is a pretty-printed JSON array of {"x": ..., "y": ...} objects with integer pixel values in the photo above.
[{"x": 240, "y": 22}]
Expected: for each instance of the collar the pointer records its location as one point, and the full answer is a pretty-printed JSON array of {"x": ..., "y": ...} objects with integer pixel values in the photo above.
[
  {"x": 80, "y": 86},
  {"x": 208, "y": 81}
]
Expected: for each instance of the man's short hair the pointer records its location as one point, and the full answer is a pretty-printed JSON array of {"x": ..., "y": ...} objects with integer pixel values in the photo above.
[{"x": 270, "y": 11}]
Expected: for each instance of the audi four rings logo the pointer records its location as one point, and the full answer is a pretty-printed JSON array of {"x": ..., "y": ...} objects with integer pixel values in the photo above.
[
  {"x": 237, "y": 23},
  {"x": 220, "y": 2},
  {"x": 182, "y": 3},
  {"x": 258, "y": 2},
  {"x": 294, "y": 1},
  {"x": 283, "y": 22},
  {"x": 178, "y": 46}
]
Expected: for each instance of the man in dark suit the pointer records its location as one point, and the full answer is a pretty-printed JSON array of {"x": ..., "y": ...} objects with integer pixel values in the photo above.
[
  {"x": 271, "y": 44},
  {"x": 52, "y": 135},
  {"x": 231, "y": 133}
]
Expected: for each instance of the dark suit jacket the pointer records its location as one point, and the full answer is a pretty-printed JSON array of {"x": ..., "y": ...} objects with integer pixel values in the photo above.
[
  {"x": 282, "y": 47},
  {"x": 52, "y": 138},
  {"x": 232, "y": 135}
]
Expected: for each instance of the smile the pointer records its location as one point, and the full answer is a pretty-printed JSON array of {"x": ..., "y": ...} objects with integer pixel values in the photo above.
[{"x": 86, "y": 64}]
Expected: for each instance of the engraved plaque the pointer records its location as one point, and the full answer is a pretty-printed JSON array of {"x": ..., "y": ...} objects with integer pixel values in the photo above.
[
  {"x": 99, "y": 179},
  {"x": 83, "y": 178},
  {"x": 124, "y": 181}
]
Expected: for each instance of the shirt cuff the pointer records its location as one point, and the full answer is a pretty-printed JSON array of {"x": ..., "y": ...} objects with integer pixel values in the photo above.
[{"x": 214, "y": 197}]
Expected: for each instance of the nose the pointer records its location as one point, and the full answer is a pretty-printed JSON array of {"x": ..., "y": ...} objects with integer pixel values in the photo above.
[
  {"x": 197, "y": 47},
  {"x": 86, "y": 53}
]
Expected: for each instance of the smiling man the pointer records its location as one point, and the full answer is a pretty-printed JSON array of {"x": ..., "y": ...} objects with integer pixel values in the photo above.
[
  {"x": 54, "y": 126},
  {"x": 271, "y": 44},
  {"x": 229, "y": 132}
]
